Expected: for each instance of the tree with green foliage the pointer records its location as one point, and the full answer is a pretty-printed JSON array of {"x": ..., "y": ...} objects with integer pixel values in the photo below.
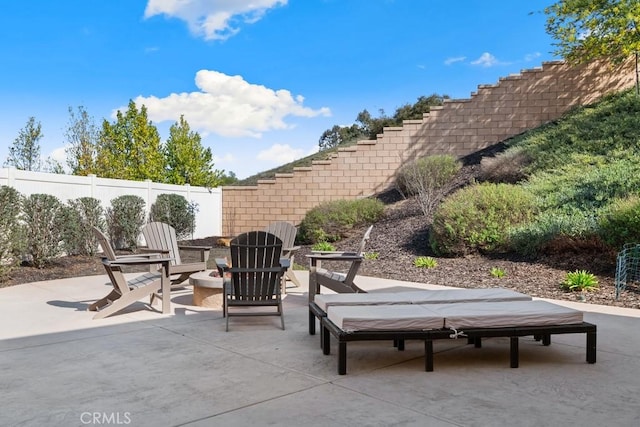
[
  {"x": 82, "y": 141},
  {"x": 339, "y": 135},
  {"x": 593, "y": 29},
  {"x": 129, "y": 148},
  {"x": 590, "y": 29},
  {"x": 24, "y": 154},
  {"x": 188, "y": 162}
]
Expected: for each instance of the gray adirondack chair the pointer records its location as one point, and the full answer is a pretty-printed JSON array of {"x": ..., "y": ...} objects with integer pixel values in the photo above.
[
  {"x": 126, "y": 292},
  {"x": 255, "y": 270},
  {"x": 336, "y": 281},
  {"x": 161, "y": 238},
  {"x": 286, "y": 232}
]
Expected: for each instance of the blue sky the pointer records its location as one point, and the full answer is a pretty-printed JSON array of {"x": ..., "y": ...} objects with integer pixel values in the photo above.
[{"x": 260, "y": 80}]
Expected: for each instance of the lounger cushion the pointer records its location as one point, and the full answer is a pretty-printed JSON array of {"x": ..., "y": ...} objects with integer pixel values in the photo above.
[
  {"x": 505, "y": 314},
  {"x": 437, "y": 296},
  {"x": 385, "y": 318}
]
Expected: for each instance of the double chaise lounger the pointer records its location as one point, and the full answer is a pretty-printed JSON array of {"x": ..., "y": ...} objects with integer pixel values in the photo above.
[{"x": 445, "y": 314}]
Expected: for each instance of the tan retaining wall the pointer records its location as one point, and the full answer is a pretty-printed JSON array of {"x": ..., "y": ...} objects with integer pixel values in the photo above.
[{"x": 492, "y": 114}]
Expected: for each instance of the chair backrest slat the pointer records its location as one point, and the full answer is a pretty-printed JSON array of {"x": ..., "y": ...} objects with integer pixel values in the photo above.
[{"x": 285, "y": 231}]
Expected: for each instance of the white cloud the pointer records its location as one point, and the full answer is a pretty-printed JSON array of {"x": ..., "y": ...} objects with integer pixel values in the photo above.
[
  {"x": 229, "y": 106},
  {"x": 532, "y": 56},
  {"x": 59, "y": 154},
  {"x": 213, "y": 19},
  {"x": 280, "y": 154},
  {"x": 450, "y": 61},
  {"x": 486, "y": 60}
]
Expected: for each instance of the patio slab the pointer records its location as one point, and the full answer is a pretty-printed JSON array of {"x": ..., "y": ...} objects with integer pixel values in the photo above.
[{"x": 142, "y": 368}]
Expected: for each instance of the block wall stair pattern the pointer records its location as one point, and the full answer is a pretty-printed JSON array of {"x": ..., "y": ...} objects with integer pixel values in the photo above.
[{"x": 492, "y": 114}]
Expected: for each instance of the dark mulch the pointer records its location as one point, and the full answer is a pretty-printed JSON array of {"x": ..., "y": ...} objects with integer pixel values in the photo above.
[{"x": 398, "y": 240}]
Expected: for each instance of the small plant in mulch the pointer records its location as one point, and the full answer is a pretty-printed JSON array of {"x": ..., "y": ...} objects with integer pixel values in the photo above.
[
  {"x": 425, "y": 262},
  {"x": 371, "y": 255},
  {"x": 580, "y": 280},
  {"x": 497, "y": 272}
]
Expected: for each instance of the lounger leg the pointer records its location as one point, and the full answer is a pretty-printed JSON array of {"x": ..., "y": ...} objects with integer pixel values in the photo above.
[
  {"x": 514, "y": 352},
  {"x": 342, "y": 358},
  {"x": 546, "y": 339},
  {"x": 591, "y": 347},
  {"x": 428, "y": 355},
  {"x": 401, "y": 345},
  {"x": 325, "y": 338},
  {"x": 312, "y": 323}
]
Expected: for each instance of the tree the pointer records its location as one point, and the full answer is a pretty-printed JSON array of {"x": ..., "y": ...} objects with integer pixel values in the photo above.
[
  {"x": 589, "y": 29},
  {"x": 188, "y": 162},
  {"x": 339, "y": 135},
  {"x": 130, "y": 147},
  {"x": 82, "y": 141},
  {"x": 25, "y": 152}
]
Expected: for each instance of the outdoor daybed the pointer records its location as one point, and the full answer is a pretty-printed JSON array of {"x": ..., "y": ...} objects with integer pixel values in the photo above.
[
  {"x": 322, "y": 302},
  {"x": 475, "y": 320}
]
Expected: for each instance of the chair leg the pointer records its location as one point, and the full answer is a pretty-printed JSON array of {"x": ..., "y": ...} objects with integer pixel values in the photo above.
[
  {"x": 281, "y": 314},
  {"x": 105, "y": 301}
]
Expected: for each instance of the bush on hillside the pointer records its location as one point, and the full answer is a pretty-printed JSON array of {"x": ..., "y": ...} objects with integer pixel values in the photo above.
[
  {"x": 10, "y": 205},
  {"x": 175, "y": 210},
  {"x": 619, "y": 223},
  {"x": 552, "y": 230},
  {"x": 428, "y": 179},
  {"x": 42, "y": 220},
  {"x": 125, "y": 218},
  {"x": 478, "y": 217},
  {"x": 332, "y": 221},
  {"x": 586, "y": 183},
  {"x": 80, "y": 216},
  {"x": 507, "y": 167}
]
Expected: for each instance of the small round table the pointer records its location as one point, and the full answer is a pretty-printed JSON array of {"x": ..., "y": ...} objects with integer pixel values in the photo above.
[{"x": 207, "y": 290}]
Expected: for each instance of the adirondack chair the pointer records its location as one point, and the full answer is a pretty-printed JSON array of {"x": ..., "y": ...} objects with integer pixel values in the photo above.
[
  {"x": 161, "y": 237},
  {"x": 256, "y": 271},
  {"x": 336, "y": 281},
  {"x": 125, "y": 293},
  {"x": 286, "y": 232}
]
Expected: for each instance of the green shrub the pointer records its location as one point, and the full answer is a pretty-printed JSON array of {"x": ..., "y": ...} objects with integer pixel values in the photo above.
[
  {"x": 549, "y": 227},
  {"x": 80, "y": 216},
  {"x": 619, "y": 223},
  {"x": 478, "y": 217},
  {"x": 427, "y": 179},
  {"x": 125, "y": 218},
  {"x": 580, "y": 280},
  {"x": 42, "y": 220},
  {"x": 332, "y": 221},
  {"x": 10, "y": 206},
  {"x": 175, "y": 210},
  {"x": 425, "y": 262},
  {"x": 323, "y": 247}
]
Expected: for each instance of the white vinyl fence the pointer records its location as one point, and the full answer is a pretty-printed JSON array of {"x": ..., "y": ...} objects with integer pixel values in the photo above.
[{"x": 68, "y": 187}]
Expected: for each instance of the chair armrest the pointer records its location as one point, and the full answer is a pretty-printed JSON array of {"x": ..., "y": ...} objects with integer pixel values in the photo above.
[
  {"x": 136, "y": 261},
  {"x": 285, "y": 263},
  {"x": 152, "y": 251},
  {"x": 204, "y": 251},
  {"x": 340, "y": 256},
  {"x": 223, "y": 266}
]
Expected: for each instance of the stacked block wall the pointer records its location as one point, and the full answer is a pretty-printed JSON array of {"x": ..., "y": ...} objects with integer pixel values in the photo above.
[{"x": 459, "y": 127}]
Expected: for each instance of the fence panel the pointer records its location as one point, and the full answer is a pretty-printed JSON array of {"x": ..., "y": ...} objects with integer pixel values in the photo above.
[{"x": 67, "y": 187}]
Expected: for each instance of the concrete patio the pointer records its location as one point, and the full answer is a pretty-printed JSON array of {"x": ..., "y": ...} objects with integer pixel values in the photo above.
[{"x": 141, "y": 368}]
